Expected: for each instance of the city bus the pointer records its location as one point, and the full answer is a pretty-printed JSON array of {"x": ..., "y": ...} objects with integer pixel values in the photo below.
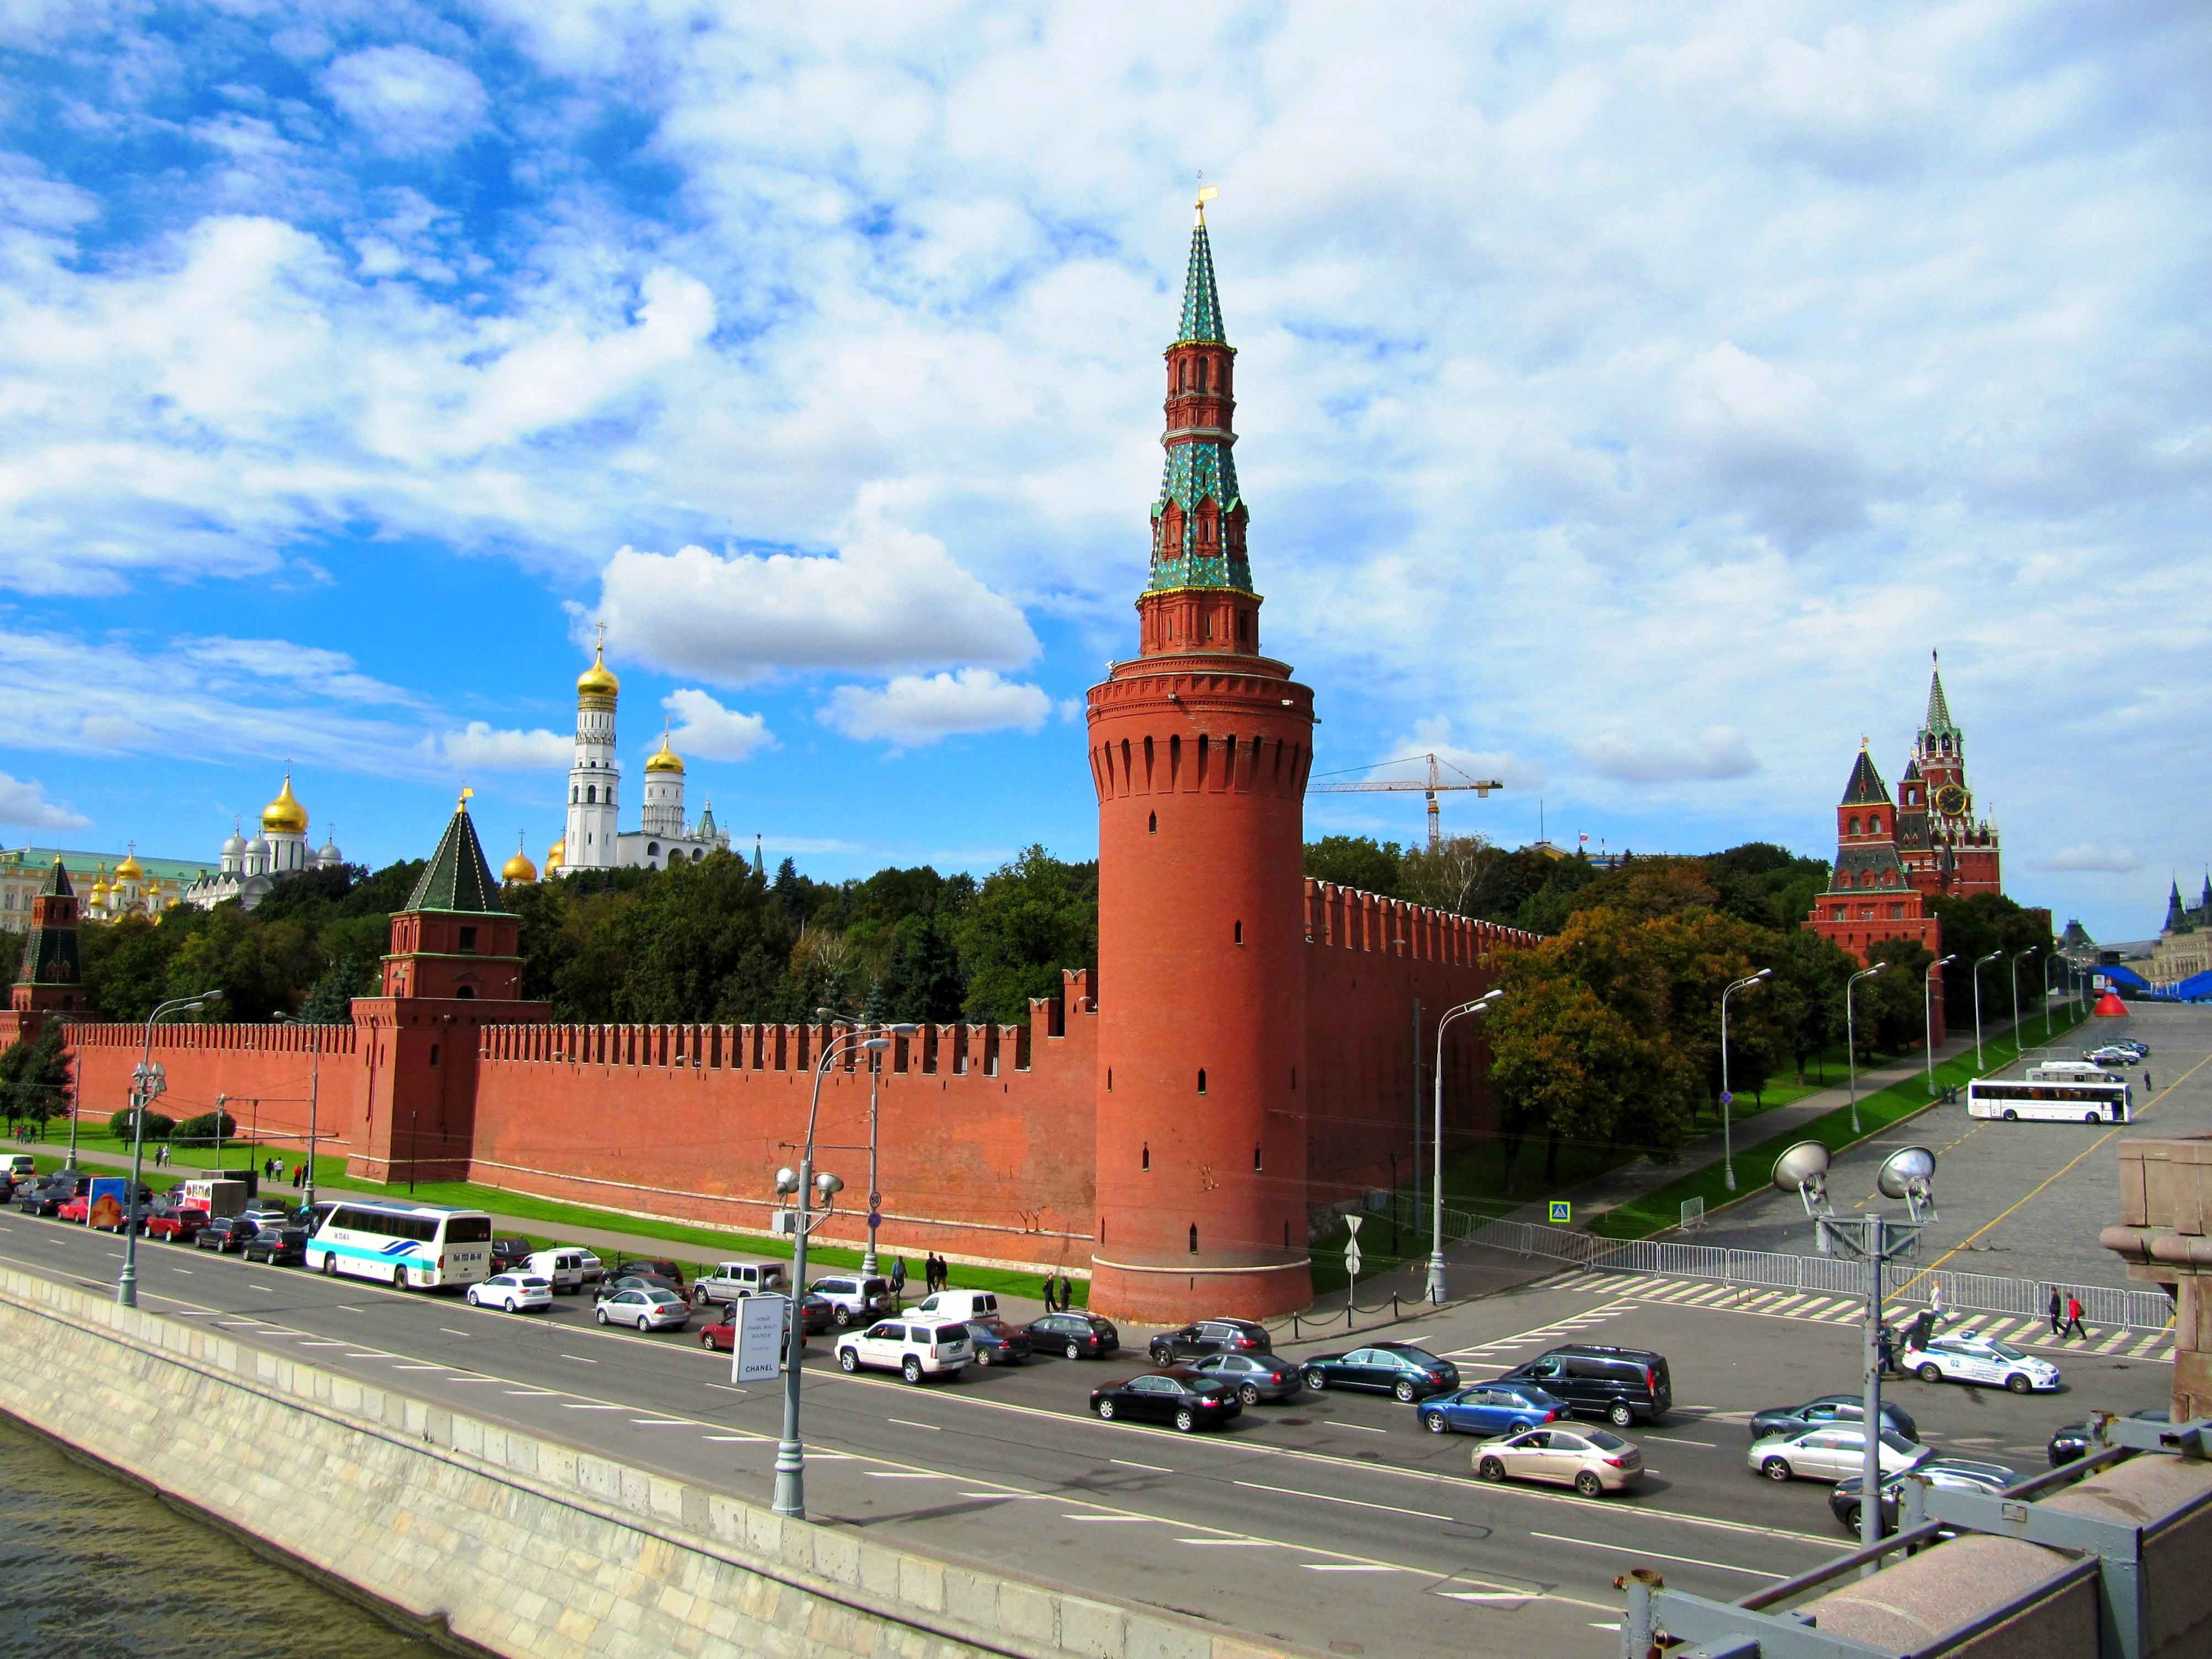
[
  {"x": 407, "y": 1246},
  {"x": 2083, "y": 1100}
]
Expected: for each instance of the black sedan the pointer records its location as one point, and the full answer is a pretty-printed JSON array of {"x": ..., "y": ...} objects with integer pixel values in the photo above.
[
  {"x": 277, "y": 1247},
  {"x": 1177, "y": 1395},
  {"x": 1208, "y": 1336},
  {"x": 1828, "y": 1408},
  {"x": 2072, "y": 1442},
  {"x": 1392, "y": 1368},
  {"x": 1255, "y": 1377},
  {"x": 509, "y": 1251},
  {"x": 46, "y": 1195},
  {"x": 1847, "y": 1501},
  {"x": 998, "y": 1343},
  {"x": 226, "y": 1236},
  {"x": 1077, "y": 1335}
]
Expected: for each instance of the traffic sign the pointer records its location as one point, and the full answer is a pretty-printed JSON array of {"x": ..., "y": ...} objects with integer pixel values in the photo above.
[
  {"x": 875, "y": 1201},
  {"x": 875, "y": 1218},
  {"x": 1352, "y": 1258},
  {"x": 1727, "y": 1099},
  {"x": 1562, "y": 1212},
  {"x": 1351, "y": 1224}
]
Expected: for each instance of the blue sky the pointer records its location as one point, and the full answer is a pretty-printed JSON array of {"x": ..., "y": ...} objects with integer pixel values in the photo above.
[{"x": 1631, "y": 398}]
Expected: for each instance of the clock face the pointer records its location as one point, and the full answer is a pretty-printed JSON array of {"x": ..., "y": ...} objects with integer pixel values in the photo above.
[{"x": 1951, "y": 800}]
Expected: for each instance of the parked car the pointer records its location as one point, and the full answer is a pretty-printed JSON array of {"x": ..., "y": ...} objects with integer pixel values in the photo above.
[
  {"x": 75, "y": 1209},
  {"x": 650, "y": 1308},
  {"x": 562, "y": 1269},
  {"x": 2112, "y": 1053},
  {"x": 1847, "y": 1502},
  {"x": 277, "y": 1247},
  {"x": 998, "y": 1343},
  {"x": 593, "y": 1268},
  {"x": 1829, "y": 1451},
  {"x": 732, "y": 1282},
  {"x": 226, "y": 1236},
  {"x": 174, "y": 1225},
  {"x": 2071, "y": 1442},
  {"x": 658, "y": 1267},
  {"x": 1491, "y": 1409},
  {"x": 1828, "y": 1408},
  {"x": 1623, "y": 1385},
  {"x": 509, "y": 1252},
  {"x": 914, "y": 1348},
  {"x": 517, "y": 1292},
  {"x": 1594, "y": 1461},
  {"x": 1969, "y": 1357},
  {"x": 45, "y": 1197},
  {"x": 640, "y": 1282},
  {"x": 1207, "y": 1336},
  {"x": 956, "y": 1304},
  {"x": 721, "y": 1332},
  {"x": 1077, "y": 1335},
  {"x": 22, "y": 1165},
  {"x": 1393, "y": 1368},
  {"x": 266, "y": 1212},
  {"x": 851, "y": 1297},
  {"x": 1255, "y": 1377},
  {"x": 1178, "y": 1395},
  {"x": 2139, "y": 1046}
]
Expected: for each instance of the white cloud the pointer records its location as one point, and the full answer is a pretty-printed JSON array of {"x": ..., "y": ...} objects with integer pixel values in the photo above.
[
  {"x": 479, "y": 746},
  {"x": 24, "y": 805},
  {"x": 912, "y": 711},
  {"x": 1718, "y": 752},
  {"x": 409, "y": 102},
  {"x": 706, "y": 729},
  {"x": 2091, "y": 858},
  {"x": 328, "y": 673},
  {"x": 887, "y": 599}
]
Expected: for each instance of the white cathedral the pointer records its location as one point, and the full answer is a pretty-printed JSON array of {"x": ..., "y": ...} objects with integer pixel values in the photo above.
[
  {"x": 593, "y": 841},
  {"x": 248, "y": 869}
]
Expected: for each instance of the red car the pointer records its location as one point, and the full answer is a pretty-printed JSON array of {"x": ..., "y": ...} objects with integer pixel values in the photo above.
[
  {"x": 175, "y": 1226},
  {"x": 77, "y": 1209}
]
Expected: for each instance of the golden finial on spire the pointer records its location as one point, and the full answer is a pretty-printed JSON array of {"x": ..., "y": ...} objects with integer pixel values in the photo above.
[
  {"x": 1206, "y": 193},
  {"x": 466, "y": 793}
]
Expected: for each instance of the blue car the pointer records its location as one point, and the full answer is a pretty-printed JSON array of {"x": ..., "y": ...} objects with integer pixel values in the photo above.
[{"x": 1491, "y": 1408}]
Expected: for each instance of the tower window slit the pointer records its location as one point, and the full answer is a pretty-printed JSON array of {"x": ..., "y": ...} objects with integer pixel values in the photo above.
[
  {"x": 1152, "y": 824},
  {"x": 1193, "y": 1238},
  {"x": 1255, "y": 1158},
  {"x": 1240, "y": 933},
  {"x": 1146, "y": 1162},
  {"x": 1201, "y": 1080}
]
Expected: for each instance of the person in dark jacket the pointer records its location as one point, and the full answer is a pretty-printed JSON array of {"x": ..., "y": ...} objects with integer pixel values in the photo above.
[
  {"x": 2057, "y": 1319},
  {"x": 898, "y": 1278}
]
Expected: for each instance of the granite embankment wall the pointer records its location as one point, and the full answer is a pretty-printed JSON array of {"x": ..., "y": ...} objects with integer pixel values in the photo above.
[{"x": 518, "y": 1544}]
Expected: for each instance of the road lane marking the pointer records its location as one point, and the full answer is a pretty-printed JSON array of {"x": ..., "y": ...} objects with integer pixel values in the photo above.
[
  {"x": 1231, "y": 1543},
  {"x": 1677, "y": 1440},
  {"x": 531, "y": 1393},
  {"x": 729, "y": 1388},
  {"x": 1155, "y": 1467},
  {"x": 1656, "y": 1555},
  {"x": 582, "y": 1406},
  {"x": 662, "y": 1422},
  {"x": 340, "y": 1306},
  {"x": 472, "y": 1379},
  {"x": 1104, "y": 1520},
  {"x": 318, "y": 1344},
  {"x": 1330, "y": 1497},
  {"x": 420, "y": 1368},
  {"x": 1494, "y": 1596},
  {"x": 580, "y": 1359},
  {"x": 908, "y": 1474},
  {"x": 450, "y": 1331},
  {"x": 909, "y": 1423},
  {"x": 1345, "y": 1566}
]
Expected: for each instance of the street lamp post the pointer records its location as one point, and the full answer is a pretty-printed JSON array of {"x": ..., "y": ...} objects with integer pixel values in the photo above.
[
  {"x": 2049, "y": 962},
  {"x": 1928, "y": 1014},
  {"x": 315, "y": 1090},
  {"x": 790, "y": 1496},
  {"x": 1727, "y": 1140},
  {"x": 146, "y": 1083},
  {"x": 1436, "y": 1289},
  {"x": 411, "y": 1148},
  {"x": 1851, "y": 1035},
  {"x": 1978, "y": 962},
  {"x": 2019, "y": 1043}
]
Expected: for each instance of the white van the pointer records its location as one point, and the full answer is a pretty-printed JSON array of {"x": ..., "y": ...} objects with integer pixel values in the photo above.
[
  {"x": 22, "y": 1166},
  {"x": 732, "y": 1281},
  {"x": 957, "y": 1304},
  {"x": 564, "y": 1269}
]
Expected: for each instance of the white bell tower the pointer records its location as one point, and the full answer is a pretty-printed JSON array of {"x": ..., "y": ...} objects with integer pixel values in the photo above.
[{"x": 595, "y": 778}]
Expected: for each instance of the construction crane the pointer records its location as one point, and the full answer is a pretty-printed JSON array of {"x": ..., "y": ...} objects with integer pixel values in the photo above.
[{"x": 1435, "y": 782}]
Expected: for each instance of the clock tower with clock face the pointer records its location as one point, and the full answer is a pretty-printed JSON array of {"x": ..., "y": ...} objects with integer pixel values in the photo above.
[{"x": 1945, "y": 847}]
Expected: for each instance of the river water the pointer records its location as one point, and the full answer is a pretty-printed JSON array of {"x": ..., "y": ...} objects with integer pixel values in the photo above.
[{"x": 95, "y": 1568}]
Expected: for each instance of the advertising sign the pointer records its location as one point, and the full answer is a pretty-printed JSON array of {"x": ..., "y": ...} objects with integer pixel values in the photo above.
[
  {"x": 107, "y": 1195},
  {"x": 758, "y": 1351}
]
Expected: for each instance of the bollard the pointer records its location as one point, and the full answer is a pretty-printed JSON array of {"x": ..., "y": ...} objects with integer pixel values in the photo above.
[
  {"x": 1347, "y": 1311},
  {"x": 1636, "y": 1624},
  {"x": 1394, "y": 1311},
  {"x": 1295, "y": 1337}
]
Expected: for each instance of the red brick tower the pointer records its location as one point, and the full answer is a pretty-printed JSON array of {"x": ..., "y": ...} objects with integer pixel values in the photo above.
[
  {"x": 1946, "y": 848},
  {"x": 455, "y": 966},
  {"x": 1200, "y": 750},
  {"x": 48, "y": 982},
  {"x": 1870, "y": 896}
]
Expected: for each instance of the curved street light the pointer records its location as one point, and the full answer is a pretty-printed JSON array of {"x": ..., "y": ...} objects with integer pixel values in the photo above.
[
  {"x": 2019, "y": 1043},
  {"x": 1728, "y": 1145},
  {"x": 790, "y": 1453},
  {"x": 146, "y": 1083},
  {"x": 1978, "y": 963},
  {"x": 1436, "y": 1287},
  {"x": 1851, "y": 1035},
  {"x": 314, "y": 1093},
  {"x": 2049, "y": 962},
  {"x": 1928, "y": 1014}
]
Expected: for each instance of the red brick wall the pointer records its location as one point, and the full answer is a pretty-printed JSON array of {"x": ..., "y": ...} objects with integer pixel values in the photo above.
[{"x": 272, "y": 1063}]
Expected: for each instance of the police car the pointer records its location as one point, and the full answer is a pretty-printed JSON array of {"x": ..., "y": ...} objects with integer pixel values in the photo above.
[{"x": 1965, "y": 1357}]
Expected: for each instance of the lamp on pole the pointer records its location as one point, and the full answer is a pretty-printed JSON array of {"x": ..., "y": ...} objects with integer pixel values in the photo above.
[
  {"x": 146, "y": 1083},
  {"x": 1978, "y": 962},
  {"x": 2049, "y": 962},
  {"x": 1436, "y": 1289},
  {"x": 1928, "y": 1013},
  {"x": 1728, "y": 1142},
  {"x": 315, "y": 1090},
  {"x": 1851, "y": 1035},
  {"x": 2019, "y": 1044},
  {"x": 875, "y": 1074},
  {"x": 790, "y": 1453}
]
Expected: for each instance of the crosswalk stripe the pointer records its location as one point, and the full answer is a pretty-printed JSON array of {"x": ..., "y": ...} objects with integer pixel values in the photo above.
[{"x": 2113, "y": 1340}]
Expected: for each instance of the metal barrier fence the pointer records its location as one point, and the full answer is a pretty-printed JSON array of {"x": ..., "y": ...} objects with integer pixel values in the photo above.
[{"x": 2101, "y": 1304}]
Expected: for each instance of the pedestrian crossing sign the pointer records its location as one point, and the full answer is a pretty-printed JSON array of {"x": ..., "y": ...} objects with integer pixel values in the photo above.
[{"x": 1563, "y": 1213}]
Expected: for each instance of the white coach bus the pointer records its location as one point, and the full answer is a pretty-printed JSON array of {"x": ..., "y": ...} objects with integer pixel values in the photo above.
[
  {"x": 2081, "y": 1100},
  {"x": 406, "y": 1245}
]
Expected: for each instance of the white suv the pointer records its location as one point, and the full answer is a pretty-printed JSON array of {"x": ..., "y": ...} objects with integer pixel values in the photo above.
[
  {"x": 851, "y": 1297},
  {"x": 914, "y": 1348}
]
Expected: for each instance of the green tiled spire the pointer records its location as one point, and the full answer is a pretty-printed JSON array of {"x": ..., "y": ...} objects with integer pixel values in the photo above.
[
  {"x": 1865, "y": 787},
  {"x": 1202, "y": 467},
  {"x": 1939, "y": 710},
  {"x": 457, "y": 877},
  {"x": 1202, "y": 301}
]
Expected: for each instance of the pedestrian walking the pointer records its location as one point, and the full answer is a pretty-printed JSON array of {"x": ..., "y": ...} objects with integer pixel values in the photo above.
[
  {"x": 2057, "y": 1320},
  {"x": 898, "y": 1277},
  {"x": 1935, "y": 1301},
  {"x": 1885, "y": 1352},
  {"x": 2074, "y": 1318},
  {"x": 1923, "y": 1326},
  {"x": 1067, "y": 1293},
  {"x": 2148, "y": 1085}
]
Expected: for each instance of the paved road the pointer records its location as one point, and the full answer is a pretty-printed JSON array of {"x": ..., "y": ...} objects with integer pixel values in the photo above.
[
  {"x": 1350, "y": 1529},
  {"x": 2023, "y": 1200}
]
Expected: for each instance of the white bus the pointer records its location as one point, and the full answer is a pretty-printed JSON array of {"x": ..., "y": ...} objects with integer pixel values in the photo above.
[
  {"x": 407, "y": 1246},
  {"x": 2080, "y": 1100},
  {"x": 2070, "y": 1071}
]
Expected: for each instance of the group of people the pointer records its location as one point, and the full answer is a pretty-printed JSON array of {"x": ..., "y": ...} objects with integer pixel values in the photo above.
[
  {"x": 1059, "y": 1294},
  {"x": 2065, "y": 1310},
  {"x": 275, "y": 1169}
]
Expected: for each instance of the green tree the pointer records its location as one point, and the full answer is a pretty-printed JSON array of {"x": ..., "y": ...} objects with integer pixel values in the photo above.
[
  {"x": 1031, "y": 920},
  {"x": 1446, "y": 877},
  {"x": 921, "y": 981},
  {"x": 1807, "y": 1005},
  {"x": 700, "y": 941},
  {"x": 36, "y": 1076},
  {"x": 1357, "y": 861},
  {"x": 1891, "y": 1009},
  {"x": 1974, "y": 927}
]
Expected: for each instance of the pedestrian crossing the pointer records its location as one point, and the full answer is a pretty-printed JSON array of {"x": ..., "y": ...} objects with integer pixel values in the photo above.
[{"x": 2029, "y": 1332}]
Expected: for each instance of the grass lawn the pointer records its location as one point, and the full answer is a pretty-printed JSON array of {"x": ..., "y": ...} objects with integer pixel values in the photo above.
[{"x": 1657, "y": 1211}]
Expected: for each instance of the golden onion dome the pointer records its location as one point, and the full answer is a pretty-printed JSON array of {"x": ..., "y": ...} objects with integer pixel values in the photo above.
[
  {"x": 556, "y": 856},
  {"x": 130, "y": 869},
  {"x": 666, "y": 759},
  {"x": 285, "y": 816},
  {"x": 598, "y": 680},
  {"x": 518, "y": 868}
]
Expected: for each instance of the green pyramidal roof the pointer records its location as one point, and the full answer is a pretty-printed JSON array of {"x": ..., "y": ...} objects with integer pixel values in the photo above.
[
  {"x": 457, "y": 877},
  {"x": 1939, "y": 710},
  {"x": 1201, "y": 303},
  {"x": 1866, "y": 788},
  {"x": 50, "y": 953}
]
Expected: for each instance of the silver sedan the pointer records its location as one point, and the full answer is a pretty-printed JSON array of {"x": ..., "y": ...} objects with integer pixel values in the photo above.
[
  {"x": 1829, "y": 1451},
  {"x": 648, "y": 1310}
]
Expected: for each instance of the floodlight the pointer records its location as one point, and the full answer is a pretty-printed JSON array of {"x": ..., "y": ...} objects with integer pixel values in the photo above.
[
  {"x": 828, "y": 1185},
  {"x": 1904, "y": 1169},
  {"x": 1803, "y": 1164},
  {"x": 786, "y": 1180}
]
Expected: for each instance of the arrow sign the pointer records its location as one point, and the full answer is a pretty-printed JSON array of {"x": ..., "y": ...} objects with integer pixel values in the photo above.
[
  {"x": 875, "y": 1218},
  {"x": 1727, "y": 1099}
]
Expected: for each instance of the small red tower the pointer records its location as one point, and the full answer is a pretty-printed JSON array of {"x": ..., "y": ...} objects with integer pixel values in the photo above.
[
  {"x": 1870, "y": 896},
  {"x": 49, "y": 981},
  {"x": 1200, "y": 750}
]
